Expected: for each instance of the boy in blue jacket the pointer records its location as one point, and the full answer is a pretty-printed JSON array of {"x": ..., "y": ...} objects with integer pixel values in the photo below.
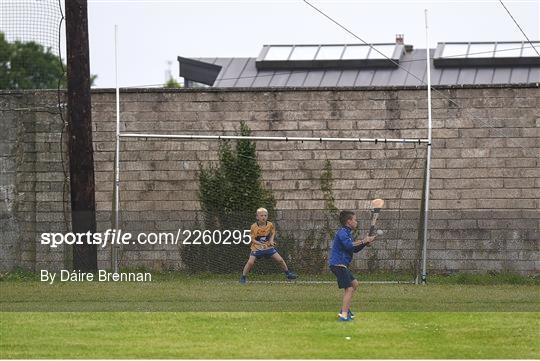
[{"x": 341, "y": 253}]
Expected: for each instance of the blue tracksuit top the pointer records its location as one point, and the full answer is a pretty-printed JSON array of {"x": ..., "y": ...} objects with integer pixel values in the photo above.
[{"x": 342, "y": 247}]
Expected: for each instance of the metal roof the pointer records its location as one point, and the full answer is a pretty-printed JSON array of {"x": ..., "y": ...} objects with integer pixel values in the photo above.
[
  {"x": 242, "y": 72},
  {"x": 197, "y": 71}
]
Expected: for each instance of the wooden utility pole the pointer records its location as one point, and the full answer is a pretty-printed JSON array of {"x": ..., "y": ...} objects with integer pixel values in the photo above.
[{"x": 81, "y": 157}]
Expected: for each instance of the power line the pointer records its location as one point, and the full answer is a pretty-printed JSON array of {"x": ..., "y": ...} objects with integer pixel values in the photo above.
[{"x": 525, "y": 35}]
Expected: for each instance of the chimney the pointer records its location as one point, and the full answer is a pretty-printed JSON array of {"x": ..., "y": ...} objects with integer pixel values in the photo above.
[{"x": 400, "y": 39}]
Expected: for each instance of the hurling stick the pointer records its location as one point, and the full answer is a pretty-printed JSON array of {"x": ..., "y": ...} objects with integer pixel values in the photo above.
[{"x": 376, "y": 206}]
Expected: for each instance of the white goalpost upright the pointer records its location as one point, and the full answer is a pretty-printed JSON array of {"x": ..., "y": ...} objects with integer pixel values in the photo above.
[
  {"x": 428, "y": 157},
  {"x": 120, "y": 135},
  {"x": 115, "y": 248}
]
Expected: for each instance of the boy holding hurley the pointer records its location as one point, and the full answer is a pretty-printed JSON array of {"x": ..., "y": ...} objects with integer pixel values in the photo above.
[{"x": 343, "y": 247}]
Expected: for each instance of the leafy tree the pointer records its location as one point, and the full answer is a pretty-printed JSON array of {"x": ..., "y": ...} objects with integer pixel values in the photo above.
[
  {"x": 230, "y": 194},
  {"x": 172, "y": 83},
  {"x": 28, "y": 65}
]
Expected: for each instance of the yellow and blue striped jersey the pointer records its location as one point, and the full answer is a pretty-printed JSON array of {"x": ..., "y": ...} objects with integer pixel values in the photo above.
[{"x": 261, "y": 235}]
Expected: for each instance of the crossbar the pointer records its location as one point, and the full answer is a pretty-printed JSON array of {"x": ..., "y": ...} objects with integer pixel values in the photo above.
[{"x": 280, "y": 139}]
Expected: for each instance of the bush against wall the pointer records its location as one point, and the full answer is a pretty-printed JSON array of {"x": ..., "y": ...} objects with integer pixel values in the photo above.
[
  {"x": 311, "y": 254},
  {"x": 230, "y": 194}
]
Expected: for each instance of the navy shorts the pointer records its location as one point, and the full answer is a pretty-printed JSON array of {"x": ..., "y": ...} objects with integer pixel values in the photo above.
[
  {"x": 344, "y": 276},
  {"x": 264, "y": 253}
]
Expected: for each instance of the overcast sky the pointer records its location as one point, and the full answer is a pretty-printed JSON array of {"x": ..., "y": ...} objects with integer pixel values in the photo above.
[{"x": 152, "y": 33}]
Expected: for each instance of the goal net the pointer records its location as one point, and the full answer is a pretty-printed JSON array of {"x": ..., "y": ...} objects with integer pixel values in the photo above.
[{"x": 190, "y": 204}]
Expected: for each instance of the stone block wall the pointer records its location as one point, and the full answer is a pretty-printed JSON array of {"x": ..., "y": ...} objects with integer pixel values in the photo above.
[
  {"x": 485, "y": 183},
  {"x": 34, "y": 196}
]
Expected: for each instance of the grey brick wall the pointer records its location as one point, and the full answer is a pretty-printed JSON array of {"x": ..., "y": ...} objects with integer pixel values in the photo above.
[
  {"x": 31, "y": 181},
  {"x": 485, "y": 170}
]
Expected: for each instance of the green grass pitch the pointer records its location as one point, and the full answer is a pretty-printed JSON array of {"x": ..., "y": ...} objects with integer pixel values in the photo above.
[{"x": 194, "y": 318}]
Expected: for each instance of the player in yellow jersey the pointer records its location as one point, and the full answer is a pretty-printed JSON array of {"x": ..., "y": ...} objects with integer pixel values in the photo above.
[{"x": 262, "y": 246}]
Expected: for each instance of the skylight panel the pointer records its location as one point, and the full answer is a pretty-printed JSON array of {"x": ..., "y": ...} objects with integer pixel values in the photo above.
[
  {"x": 455, "y": 50},
  {"x": 529, "y": 50},
  {"x": 330, "y": 52},
  {"x": 484, "y": 54},
  {"x": 356, "y": 52},
  {"x": 508, "y": 50},
  {"x": 481, "y": 50},
  {"x": 304, "y": 53},
  {"x": 384, "y": 51},
  {"x": 278, "y": 53},
  {"x": 331, "y": 56}
]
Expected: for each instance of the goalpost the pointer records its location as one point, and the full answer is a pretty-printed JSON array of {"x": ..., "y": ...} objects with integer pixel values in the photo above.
[
  {"x": 224, "y": 137},
  {"x": 214, "y": 138},
  {"x": 270, "y": 139}
]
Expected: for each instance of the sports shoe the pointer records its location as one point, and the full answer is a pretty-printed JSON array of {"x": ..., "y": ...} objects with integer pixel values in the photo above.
[
  {"x": 292, "y": 276},
  {"x": 243, "y": 280},
  {"x": 349, "y": 314},
  {"x": 344, "y": 319}
]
